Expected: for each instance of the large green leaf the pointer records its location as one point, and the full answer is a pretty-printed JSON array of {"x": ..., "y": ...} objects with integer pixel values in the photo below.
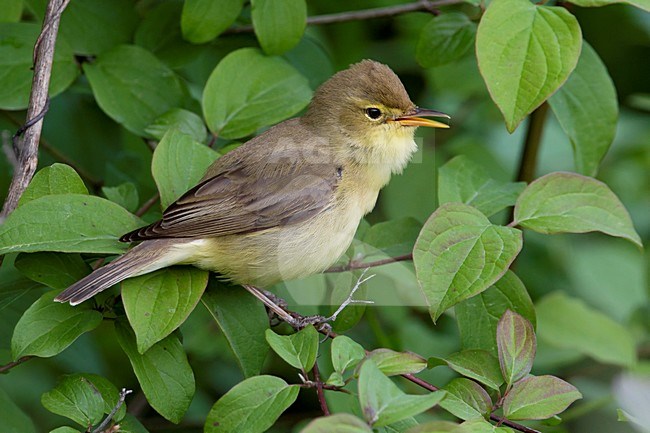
[
  {"x": 464, "y": 181},
  {"x": 55, "y": 270},
  {"x": 383, "y": 403},
  {"x": 572, "y": 203},
  {"x": 182, "y": 120},
  {"x": 337, "y": 423},
  {"x": 346, "y": 353},
  {"x": 16, "y": 60},
  {"x": 459, "y": 254},
  {"x": 251, "y": 406},
  {"x": 55, "y": 179},
  {"x": 178, "y": 164},
  {"x": 587, "y": 109},
  {"x": 11, "y": 11},
  {"x": 444, "y": 39},
  {"x": 466, "y": 399},
  {"x": 392, "y": 363},
  {"x": 517, "y": 345},
  {"x": 477, "y": 317},
  {"x": 539, "y": 397},
  {"x": 570, "y": 324},
  {"x": 125, "y": 194},
  {"x": 133, "y": 87},
  {"x": 204, "y": 20},
  {"x": 299, "y": 350},
  {"x": 248, "y": 90},
  {"x": 476, "y": 364},
  {"x": 158, "y": 303},
  {"x": 163, "y": 372},
  {"x": 243, "y": 320},
  {"x": 279, "y": 25},
  {"x": 641, "y": 4},
  {"x": 525, "y": 52},
  {"x": 48, "y": 327},
  {"x": 71, "y": 223}
]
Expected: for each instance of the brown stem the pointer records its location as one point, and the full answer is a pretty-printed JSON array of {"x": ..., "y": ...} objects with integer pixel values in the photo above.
[
  {"x": 5, "y": 368},
  {"x": 358, "y": 265},
  {"x": 366, "y": 14},
  {"x": 27, "y": 149},
  {"x": 528, "y": 162},
  {"x": 319, "y": 391},
  {"x": 148, "y": 205}
]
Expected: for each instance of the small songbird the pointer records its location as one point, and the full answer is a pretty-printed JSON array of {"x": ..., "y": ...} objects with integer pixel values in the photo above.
[{"x": 287, "y": 203}]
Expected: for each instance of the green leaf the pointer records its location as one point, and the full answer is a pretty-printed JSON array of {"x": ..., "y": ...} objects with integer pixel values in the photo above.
[
  {"x": 84, "y": 398},
  {"x": 569, "y": 323},
  {"x": 184, "y": 121},
  {"x": 459, "y": 254},
  {"x": 65, "y": 429},
  {"x": 279, "y": 25},
  {"x": 248, "y": 90},
  {"x": 243, "y": 320},
  {"x": 158, "y": 303},
  {"x": 539, "y": 397},
  {"x": 299, "y": 350},
  {"x": 125, "y": 194},
  {"x": 480, "y": 425},
  {"x": 462, "y": 180},
  {"x": 75, "y": 397},
  {"x": 477, "y": 364},
  {"x": 55, "y": 270},
  {"x": 572, "y": 203},
  {"x": 641, "y": 4},
  {"x": 395, "y": 237},
  {"x": 14, "y": 420},
  {"x": 346, "y": 353},
  {"x": 434, "y": 427},
  {"x": 69, "y": 223},
  {"x": 251, "y": 406},
  {"x": 52, "y": 180},
  {"x": 11, "y": 11},
  {"x": 133, "y": 87},
  {"x": 516, "y": 344},
  {"x": 16, "y": 51},
  {"x": 204, "y": 20},
  {"x": 587, "y": 109},
  {"x": 525, "y": 52},
  {"x": 93, "y": 26},
  {"x": 392, "y": 363},
  {"x": 477, "y": 317},
  {"x": 466, "y": 399},
  {"x": 178, "y": 164},
  {"x": 48, "y": 327},
  {"x": 383, "y": 403},
  {"x": 337, "y": 423},
  {"x": 163, "y": 372},
  {"x": 444, "y": 39},
  {"x": 130, "y": 424}
]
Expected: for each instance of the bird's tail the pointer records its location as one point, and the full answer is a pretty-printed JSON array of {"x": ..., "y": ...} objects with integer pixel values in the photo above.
[{"x": 142, "y": 259}]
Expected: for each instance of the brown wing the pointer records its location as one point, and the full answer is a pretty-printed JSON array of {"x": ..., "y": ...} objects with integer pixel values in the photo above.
[{"x": 243, "y": 197}]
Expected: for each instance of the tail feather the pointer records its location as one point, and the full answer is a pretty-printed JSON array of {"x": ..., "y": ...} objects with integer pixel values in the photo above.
[{"x": 144, "y": 258}]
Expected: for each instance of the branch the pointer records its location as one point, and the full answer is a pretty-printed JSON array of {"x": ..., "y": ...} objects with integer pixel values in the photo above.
[
  {"x": 366, "y": 14},
  {"x": 319, "y": 390},
  {"x": 5, "y": 368},
  {"x": 148, "y": 205},
  {"x": 120, "y": 401},
  {"x": 358, "y": 265},
  {"x": 528, "y": 162},
  {"x": 27, "y": 149}
]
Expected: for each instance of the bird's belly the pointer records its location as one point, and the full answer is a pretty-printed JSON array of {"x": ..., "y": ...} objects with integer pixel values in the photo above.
[{"x": 267, "y": 257}]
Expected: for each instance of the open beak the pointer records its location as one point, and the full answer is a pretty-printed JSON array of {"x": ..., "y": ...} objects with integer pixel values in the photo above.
[{"x": 415, "y": 119}]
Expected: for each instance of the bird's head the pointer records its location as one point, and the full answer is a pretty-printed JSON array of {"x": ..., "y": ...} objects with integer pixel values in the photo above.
[{"x": 366, "y": 106}]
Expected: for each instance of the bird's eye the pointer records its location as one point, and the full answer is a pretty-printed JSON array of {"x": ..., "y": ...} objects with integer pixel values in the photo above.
[{"x": 373, "y": 113}]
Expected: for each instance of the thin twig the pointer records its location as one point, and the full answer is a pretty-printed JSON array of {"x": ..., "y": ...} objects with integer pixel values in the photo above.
[
  {"x": 5, "y": 368},
  {"x": 365, "y": 14},
  {"x": 350, "y": 299},
  {"x": 319, "y": 390},
  {"x": 27, "y": 149},
  {"x": 528, "y": 162},
  {"x": 148, "y": 205},
  {"x": 120, "y": 401},
  {"x": 358, "y": 265}
]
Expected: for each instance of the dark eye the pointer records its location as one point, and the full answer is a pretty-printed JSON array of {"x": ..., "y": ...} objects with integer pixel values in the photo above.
[{"x": 373, "y": 113}]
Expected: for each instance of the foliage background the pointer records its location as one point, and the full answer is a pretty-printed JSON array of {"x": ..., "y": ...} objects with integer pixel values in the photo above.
[{"x": 608, "y": 275}]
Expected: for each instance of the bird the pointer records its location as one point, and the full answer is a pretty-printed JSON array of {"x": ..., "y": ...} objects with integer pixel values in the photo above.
[{"x": 286, "y": 204}]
